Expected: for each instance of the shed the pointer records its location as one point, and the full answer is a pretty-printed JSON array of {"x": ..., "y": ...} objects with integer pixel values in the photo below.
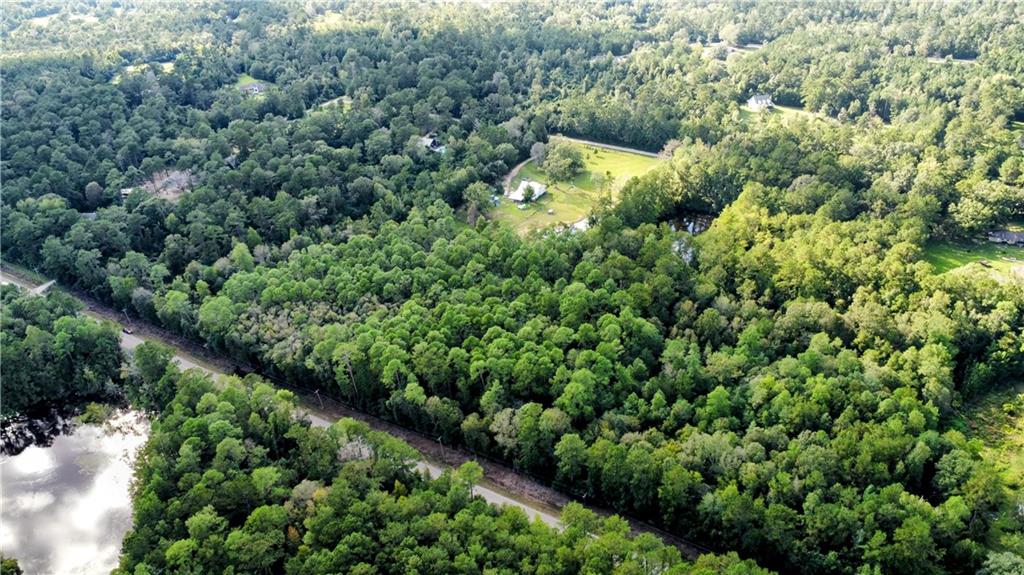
[{"x": 760, "y": 102}]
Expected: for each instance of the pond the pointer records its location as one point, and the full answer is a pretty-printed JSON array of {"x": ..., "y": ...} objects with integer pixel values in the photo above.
[
  {"x": 66, "y": 507},
  {"x": 691, "y": 221}
]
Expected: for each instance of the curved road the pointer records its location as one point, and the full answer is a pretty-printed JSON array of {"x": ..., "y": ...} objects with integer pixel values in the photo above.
[{"x": 500, "y": 485}]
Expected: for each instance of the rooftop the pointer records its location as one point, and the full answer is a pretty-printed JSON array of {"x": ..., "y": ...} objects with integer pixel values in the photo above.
[{"x": 519, "y": 194}]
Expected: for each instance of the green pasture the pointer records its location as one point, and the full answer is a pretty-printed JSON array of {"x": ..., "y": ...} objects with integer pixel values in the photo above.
[
  {"x": 1001, "y": 261},
  {"x": 604, "y": 174},
  {"x": 245, "y": 79}
]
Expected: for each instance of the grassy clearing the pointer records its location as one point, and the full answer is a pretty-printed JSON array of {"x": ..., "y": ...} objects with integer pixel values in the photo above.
[
  {"x": 787, "y": 113},
  {"x": 944, "y": 60},
  {"x": 1004, "y": 263},
  {"x": 328, "y": 21},
  {"x": 167, "y": 68},
  {"x": 41, "y": 20},
  {"x": 245, "y": 80},
  {"x": 998, "y": 421},
  {"x": 572, "y": 201},
  {"x": 344, "y": 101}
]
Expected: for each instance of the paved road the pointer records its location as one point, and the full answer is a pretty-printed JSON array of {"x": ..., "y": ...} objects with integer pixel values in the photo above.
[
  {"x": 500, "y": 485},
  {"x": 319, "y": 416}
]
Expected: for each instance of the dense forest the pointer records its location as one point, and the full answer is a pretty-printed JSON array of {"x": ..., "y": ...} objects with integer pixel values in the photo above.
[
  {"x": 248, "y": 488},
  {"x": 787, "y": 385},
  {"x": 51, "y": 355}
]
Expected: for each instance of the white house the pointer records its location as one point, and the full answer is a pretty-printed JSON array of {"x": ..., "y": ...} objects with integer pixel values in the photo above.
[
  {"x": 1007, "y": 237},
  {"x": 519, "y": 194},
  {"x": 759, "y": 102},
  {"x": 252, "y": 89}
]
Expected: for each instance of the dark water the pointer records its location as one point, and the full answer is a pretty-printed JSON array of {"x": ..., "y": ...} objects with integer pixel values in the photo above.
[
  {"x": 691, "y": 222},
  {"x": 40, "y": 428},
  {"x": 67, "y": 506}
]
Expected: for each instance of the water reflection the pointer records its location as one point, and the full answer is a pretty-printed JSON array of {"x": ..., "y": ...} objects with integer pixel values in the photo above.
[
  {"x": 38, "y": 428},
  {"x": 66, "y": 507},
  {"x": 691, "y": 222}
]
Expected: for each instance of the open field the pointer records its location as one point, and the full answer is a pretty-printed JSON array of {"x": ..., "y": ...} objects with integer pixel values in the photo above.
[
  {"x": 787, "y": 113},
  {"x": 938, "y": 60},
  {"x": 42, "y": 21},
  {"x": 1004, "y": 263},
  {"x": 604, "y": 174},
  {"x": 245, "y": 80},
  {"x": 167, "y": 67},
  {"x": 344, "y": 101}
]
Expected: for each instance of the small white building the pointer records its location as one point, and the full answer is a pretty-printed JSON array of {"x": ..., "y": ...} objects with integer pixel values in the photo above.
[
  {"x": 519, "y": 194},
  {"x": 759, "y": 102},
  {"x": 253, "y": 89},
  {"x": 431, "y": 143}
]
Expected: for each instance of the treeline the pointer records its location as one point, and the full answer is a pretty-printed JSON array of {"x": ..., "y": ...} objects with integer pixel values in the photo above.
[
  {"x": 953, "y": 180},
  {"x": 231, "y": 481},
  {"x": 51, "y": 355}
]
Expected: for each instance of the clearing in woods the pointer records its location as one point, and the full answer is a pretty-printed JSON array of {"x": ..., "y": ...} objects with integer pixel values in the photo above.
[
  {"x": 328, "y": 21},
  {"x": 1002, "y": 262},
  {"x": 245, "y": 79},
  {"x": 605, "y": 172},
  {"x": 786, "y": 113},
  {"x": 997, "y": 419}
]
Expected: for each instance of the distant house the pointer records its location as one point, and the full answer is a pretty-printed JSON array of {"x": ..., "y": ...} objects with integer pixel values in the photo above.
[
  {"x": 431, "y": 143},
  {"x": 125, "y": 192},
  {"x": 1007, "y": 237},
  {"x": 253, "y": 89},
  {"x": 759, "y": 102},
  {"x": 519, "y": 194}
]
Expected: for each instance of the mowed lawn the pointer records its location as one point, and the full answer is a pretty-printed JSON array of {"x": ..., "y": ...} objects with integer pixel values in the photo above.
[
  {"x": 787, "y": 113},
  {"x": 245, "y": 80},
  {"x": 572, "y": 201},
  {"x": 1001, "y": 261}
]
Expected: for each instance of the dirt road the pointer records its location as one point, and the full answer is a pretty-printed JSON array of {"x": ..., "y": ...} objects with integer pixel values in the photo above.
[
  {"x": 605, "y": 146},
  {"x": 506, "y": 182}
]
